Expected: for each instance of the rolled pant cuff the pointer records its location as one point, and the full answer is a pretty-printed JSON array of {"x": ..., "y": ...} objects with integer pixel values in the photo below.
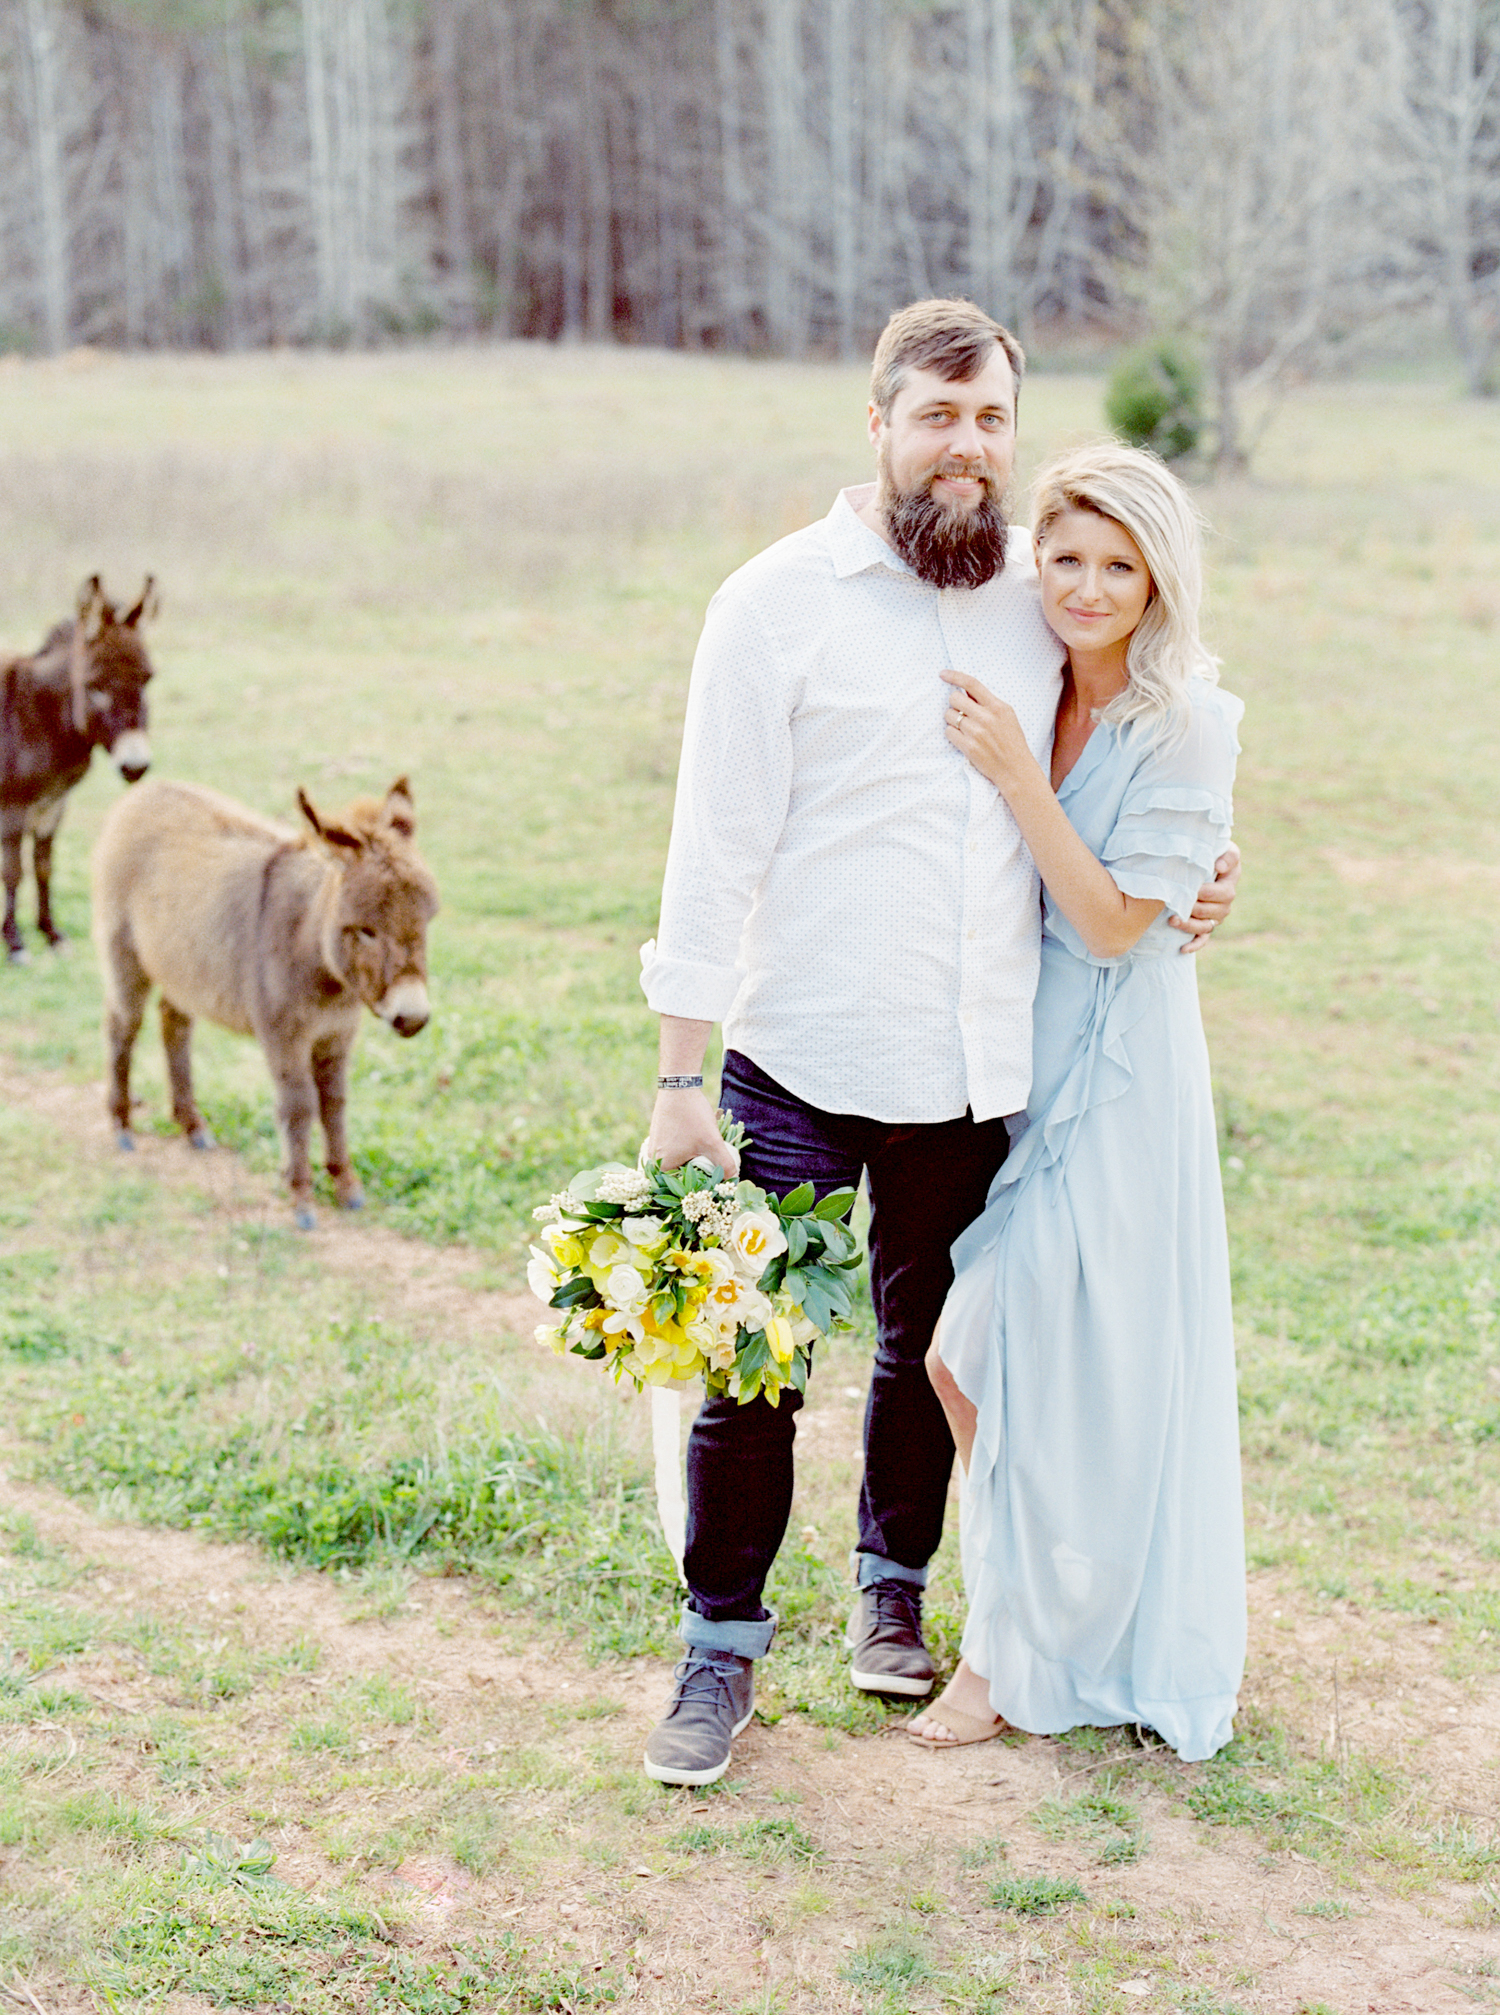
[
  {"x": 745, "y": 1640},
  {"x": 874, "y": 1567}
]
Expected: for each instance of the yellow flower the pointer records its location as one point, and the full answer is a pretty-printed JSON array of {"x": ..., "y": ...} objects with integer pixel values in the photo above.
[
  {"x": 779, "y": 1336},
  {"x": 564, "y": 1245},
  {"x": 606, "y": 1251},
  {"x": 551, "y": 1335}
]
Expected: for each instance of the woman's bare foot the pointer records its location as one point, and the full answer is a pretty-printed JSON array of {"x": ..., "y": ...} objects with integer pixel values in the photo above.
[{"x": 970, "y": 1717}]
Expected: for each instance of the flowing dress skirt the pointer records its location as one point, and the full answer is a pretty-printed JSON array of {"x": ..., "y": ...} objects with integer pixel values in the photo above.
[{"x": 1090, "y": 1325}]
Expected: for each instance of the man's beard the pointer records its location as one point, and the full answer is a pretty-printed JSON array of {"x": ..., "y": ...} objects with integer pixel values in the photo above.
[{"x": 945, "y": 545}]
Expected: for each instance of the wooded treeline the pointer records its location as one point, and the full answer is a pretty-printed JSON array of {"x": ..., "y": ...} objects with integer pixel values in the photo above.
[{"x": 1271, "y": 177}]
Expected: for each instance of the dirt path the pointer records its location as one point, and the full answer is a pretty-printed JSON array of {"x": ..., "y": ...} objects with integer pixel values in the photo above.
[
  {"x": 1207, "y": 1906},
  {"x": 591, "y": 1862}
]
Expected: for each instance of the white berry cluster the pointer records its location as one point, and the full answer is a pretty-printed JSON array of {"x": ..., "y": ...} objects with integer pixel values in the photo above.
[
  {"x": 626, "y": 1186},
  {"x": 712, "y": 1211}
]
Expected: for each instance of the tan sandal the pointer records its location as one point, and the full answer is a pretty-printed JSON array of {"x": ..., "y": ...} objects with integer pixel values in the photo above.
[{"x": 963, "y": 1728}]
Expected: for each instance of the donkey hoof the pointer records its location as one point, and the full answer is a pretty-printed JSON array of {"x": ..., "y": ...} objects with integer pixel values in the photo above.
[
  {"x": 200, "y": 1138},
  {"x": 125, "y": 1141},
  {"x": 58, "y": 944},
  {"x": 355, "y": 1202},
  {"x": 19, "y": 956},
  {"x": 304, "y": 1218}
]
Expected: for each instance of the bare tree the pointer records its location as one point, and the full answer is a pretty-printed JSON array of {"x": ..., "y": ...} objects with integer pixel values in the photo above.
[
  {"x": 1444, "y": 116},
  {"x": 1256, "y": 186},
  {"x": 769, "y": 174}
]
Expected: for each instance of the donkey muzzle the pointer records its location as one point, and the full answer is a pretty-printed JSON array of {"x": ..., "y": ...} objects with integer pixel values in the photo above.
[
  {"x": 131, "y": 755},
  {"x": 405, "y": 1007}
]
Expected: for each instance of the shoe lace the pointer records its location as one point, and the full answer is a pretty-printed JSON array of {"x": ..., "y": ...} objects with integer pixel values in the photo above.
[
  {"x": 898, "y": 1603},
  {"x": 702, "y": 1679}
]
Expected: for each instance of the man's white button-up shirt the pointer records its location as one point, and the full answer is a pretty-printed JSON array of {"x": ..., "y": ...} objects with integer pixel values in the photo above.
[{"x": 843, "y": 890}]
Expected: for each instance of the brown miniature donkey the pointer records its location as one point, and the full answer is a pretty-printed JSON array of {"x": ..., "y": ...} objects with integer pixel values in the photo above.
[{"x": 269, "y": 932}]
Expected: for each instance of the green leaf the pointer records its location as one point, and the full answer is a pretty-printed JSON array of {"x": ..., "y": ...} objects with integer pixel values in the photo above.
[
  {"x": 836, "y": 1292},
  {"x": 754, "y": 1353},
  {"x": 593, "y": 1351},
  {"x": 770, "y": 1280},
  {"x": 795, "y": 1201},
  {"x": 837, "y": 1203},
  {"x": 795, "y": 1283},
  {"x": 798, "y": 1373},
  {"x": 580, "y": 1292},
  {"x": 815, "y": 1305},
  {"x": 796, "y": 1239}
]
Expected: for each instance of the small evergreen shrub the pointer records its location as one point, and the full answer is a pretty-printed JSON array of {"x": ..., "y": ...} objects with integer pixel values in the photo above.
[{"x": 1155, "y": 399}]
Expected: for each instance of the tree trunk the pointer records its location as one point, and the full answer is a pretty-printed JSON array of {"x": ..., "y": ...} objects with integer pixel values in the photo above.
[
  {"x": 786, "y": 300},
  {"x": 322, "y": 197},
  {"x": 50, "y": 240},
  {"x": 843, "y": 192},
  {"x": 453, "y": 192},
  {"x": 733, "y": 205}
]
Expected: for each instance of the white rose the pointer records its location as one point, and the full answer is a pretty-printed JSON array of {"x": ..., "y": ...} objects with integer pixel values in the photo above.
[
  {"x": 647, "y": 1234},
  {"x": 626, "y": 1290},
  {"x": 755, "y": 1240}
]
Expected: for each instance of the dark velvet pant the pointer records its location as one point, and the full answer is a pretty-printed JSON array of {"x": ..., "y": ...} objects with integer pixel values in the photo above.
[{"x": 926, "y": 1183}]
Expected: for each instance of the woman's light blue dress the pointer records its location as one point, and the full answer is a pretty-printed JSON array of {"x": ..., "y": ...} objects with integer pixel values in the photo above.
[{"x": 1102, "y": 1540}]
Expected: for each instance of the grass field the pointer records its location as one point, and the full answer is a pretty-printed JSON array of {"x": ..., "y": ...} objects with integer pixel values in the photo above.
[{"x": 487, "y": 570}]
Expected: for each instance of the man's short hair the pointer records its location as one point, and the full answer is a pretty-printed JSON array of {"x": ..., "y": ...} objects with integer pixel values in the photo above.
[{"x": 951, "y": 337}]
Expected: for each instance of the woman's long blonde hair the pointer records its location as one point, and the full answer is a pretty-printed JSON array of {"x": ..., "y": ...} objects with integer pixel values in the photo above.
[{"x": 1139, "y": 492}]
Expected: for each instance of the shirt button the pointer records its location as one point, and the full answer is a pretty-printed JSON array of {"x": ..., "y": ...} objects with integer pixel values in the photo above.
[
  {"x": 971, "y": 934},
  {"x": 973, "y": 846}
]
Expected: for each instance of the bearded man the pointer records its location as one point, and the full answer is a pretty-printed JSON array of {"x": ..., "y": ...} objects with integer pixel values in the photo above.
[{"x": 853, "y": 901}]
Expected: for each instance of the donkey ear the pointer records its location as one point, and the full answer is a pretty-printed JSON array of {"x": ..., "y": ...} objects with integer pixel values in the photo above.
[
  {"x": 147, "y": 608},
  {"x": 93, "y": 609},
  {"x": 398, "y": 814},
  {"x": 333, "y": 836}
]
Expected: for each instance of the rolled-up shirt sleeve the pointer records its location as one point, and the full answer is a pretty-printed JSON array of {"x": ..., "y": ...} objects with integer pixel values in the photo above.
[{"x": 733, "y": 788}]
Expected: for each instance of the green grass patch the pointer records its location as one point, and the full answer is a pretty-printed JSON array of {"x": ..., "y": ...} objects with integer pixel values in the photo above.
[
  {"x": 768, "y": 1840},
  {"x": 225, "y": 1928},
  {"x": 1099, "y": 1819},
  {"x": 890, "y": 1967},
  {"x": 1034, "y": 1895}
]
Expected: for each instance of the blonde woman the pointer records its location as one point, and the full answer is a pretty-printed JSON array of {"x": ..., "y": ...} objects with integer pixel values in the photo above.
[{"x": 1085, "y": 1356}]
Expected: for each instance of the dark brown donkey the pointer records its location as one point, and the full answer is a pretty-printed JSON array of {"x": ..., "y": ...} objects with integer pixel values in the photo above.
[
  {"x": 85, "y": 689},
  {"x": 270, "y": 932}
]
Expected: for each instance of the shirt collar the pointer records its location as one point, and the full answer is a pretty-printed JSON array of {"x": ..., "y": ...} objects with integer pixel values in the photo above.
[
  {"x": 855, "y": 548},
  {"x": 853, "y": 545}
]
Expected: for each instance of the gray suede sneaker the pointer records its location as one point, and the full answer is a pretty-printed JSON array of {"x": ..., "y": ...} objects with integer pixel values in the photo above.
[
  {"x": 713, "y": 1699},
  {"x": 885, "y": 1635}
]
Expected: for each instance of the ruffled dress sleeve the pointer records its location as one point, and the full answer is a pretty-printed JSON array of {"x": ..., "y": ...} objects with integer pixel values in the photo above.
[{"x": 1177, "y": 812}]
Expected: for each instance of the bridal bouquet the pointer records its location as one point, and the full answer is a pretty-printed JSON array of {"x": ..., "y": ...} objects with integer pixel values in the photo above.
[{"x": 674, "y": 1274}]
